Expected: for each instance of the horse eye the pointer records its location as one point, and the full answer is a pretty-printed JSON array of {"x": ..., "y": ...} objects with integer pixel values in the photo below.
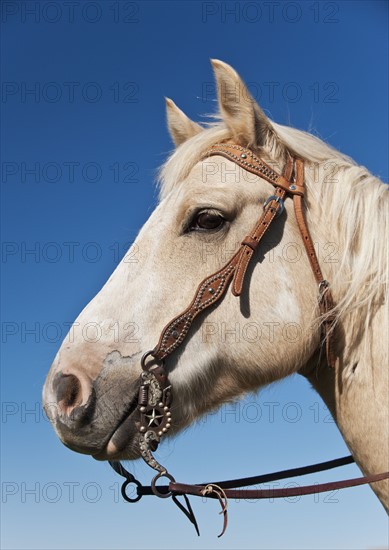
[{"x": 207, "y": 221}]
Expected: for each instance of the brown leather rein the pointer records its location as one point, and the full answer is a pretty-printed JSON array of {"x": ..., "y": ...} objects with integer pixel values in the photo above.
[{"x": 155, "y": 393}]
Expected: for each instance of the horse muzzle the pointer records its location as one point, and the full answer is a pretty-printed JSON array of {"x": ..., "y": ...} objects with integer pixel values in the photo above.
[{"x": 94, "y": 416}]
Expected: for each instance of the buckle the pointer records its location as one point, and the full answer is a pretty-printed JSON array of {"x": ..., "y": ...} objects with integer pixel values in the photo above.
[
  {"x": 278, "y": 200},
  {"x": 323, "y": 287}
]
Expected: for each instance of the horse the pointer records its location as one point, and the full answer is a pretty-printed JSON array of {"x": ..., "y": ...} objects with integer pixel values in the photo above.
[{"x": 208, "y": 203}]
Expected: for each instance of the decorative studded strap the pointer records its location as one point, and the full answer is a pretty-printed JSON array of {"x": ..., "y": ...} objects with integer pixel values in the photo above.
[
  {"x": 208, "y": 293},
  {"x": 250, "y": 162}
]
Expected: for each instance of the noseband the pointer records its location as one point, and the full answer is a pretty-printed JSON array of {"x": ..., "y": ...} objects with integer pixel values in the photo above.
[{"x": 155, "y": 393}]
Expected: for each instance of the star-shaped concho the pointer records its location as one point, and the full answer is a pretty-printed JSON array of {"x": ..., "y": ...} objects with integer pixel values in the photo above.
[{"x": 154, "y": 418}]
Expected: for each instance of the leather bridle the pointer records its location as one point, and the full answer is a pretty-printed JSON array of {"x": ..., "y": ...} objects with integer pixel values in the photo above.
[
  {"x": 213, "y": 287},
  {"x": 155, "y": 393}
]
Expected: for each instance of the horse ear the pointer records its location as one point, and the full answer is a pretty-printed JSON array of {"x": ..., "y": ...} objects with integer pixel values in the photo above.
[
  {"x": 180, "y": 126},
  {"x": 247, "y": 122}
]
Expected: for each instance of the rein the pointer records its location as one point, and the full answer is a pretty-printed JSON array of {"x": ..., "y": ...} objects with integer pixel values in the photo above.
[
  {"x": 155, "y": 393},
  {"x": 236, "y": 488}
]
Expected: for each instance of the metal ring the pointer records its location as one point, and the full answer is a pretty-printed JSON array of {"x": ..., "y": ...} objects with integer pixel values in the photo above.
[
  {"x": 154, "y": 486},
  {"x": 145, "y": 356},
  {"x": 124, "y": 487},
  {"x": 277, "y": 199},
  {"x": 323, "y": 288}
]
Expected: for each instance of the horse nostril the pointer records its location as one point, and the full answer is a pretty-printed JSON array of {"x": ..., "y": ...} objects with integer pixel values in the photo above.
[
  {"x": 69, "y": 391},
  {"x": 71, "y": 394},
  {"x": 75, "y": 400}
]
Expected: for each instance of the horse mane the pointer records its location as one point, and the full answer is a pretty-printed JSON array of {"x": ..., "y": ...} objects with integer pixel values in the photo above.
[{"x": 351, "y": 200}]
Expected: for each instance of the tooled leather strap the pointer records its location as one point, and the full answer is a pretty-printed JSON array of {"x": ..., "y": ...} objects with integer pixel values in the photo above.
[
  {"x": 213, "y": 288},
  {"x": 209, "y": 291}
]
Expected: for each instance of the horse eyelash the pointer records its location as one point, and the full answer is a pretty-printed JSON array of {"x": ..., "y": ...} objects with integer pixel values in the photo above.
[{"x": 211, "y": 210}]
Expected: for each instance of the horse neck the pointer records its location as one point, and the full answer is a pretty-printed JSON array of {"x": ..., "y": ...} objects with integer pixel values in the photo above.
[{"x": 356, "y": 391}]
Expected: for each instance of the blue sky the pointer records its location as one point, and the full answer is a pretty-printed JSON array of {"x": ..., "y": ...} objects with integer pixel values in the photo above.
[{"x": 83, "y": 106}]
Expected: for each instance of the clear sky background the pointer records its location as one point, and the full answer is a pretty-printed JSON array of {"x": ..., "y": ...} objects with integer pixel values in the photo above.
[{"x": 83, "y": 104}]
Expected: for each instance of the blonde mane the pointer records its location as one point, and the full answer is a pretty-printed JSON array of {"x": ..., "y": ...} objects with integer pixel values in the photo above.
[{"x": 351, "y": 201}]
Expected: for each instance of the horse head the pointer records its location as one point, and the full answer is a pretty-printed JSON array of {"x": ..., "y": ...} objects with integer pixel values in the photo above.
[{"x": 207, "y": 205}]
